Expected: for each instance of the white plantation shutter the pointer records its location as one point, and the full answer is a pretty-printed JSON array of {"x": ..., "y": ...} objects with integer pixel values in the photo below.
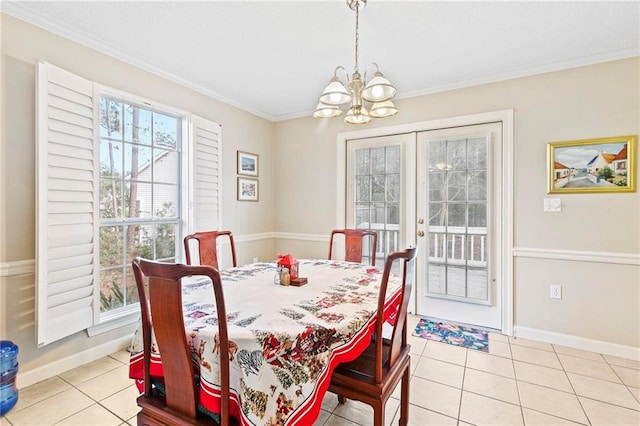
[
  {"x": 66, "y": 207},
  {"x": 207, "y": 169}
]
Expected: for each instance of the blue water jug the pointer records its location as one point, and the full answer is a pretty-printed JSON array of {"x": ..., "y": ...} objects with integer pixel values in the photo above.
[{"x": 8, "y": 373}]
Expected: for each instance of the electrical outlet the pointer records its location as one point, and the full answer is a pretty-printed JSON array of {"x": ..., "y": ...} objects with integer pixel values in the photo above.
[
  {"x": 555, "y": 291},
  {"x": 255, "y": 260}
]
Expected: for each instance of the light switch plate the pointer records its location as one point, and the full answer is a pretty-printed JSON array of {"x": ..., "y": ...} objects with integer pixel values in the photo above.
[{"x": 552, "y": 204}]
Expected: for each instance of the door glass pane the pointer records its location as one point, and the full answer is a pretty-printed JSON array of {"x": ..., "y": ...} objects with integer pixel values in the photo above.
[
  {"x": 456, "y": 281},
  {"x": 457, "y": 186},
  {"x": 378, "y": 164},
  {"x": 378, "y": 188},
  {"x": 362, "y": 162},
  {"x": 377, "y": 195},
  {"x": 457, "y": 154},
  {"x": 458, "y": 191},
  {"x": 363, "y": 188},
  {"x": 478, "y": 185},
  {"x": 438, "y": 155},
  {"x": 477, "y": 154},
  {"x": 437, "y": 279},
  {"x": 437, "y": 214},
  {"x": 362, "y": 214},
  {"x": 477, "y": 215},
  {"x": 437, "y": 189},
  {"x": 437, "y": 247},
  {"x": 477, "y": 284},
  {"x": 456, "y": 215},
  {"x": 393, "y": 188}
]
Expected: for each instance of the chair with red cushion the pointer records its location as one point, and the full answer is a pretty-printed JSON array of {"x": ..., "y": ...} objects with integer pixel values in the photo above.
[
  {"x": 207, "y": 247},
  {"x": 353, "y": 241},
  {"x": 372, "y": 377},
  {"x": 173, "y": 399}
]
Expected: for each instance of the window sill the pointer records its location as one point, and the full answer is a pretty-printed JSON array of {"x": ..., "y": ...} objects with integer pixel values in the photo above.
[{"x": 113, "y": 323}]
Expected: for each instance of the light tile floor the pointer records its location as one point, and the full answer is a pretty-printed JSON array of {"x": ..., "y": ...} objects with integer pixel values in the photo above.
[{"x": 518, "y": 382}]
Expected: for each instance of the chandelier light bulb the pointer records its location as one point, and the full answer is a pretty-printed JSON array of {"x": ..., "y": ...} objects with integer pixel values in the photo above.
[{"x": 377, "y": 91}]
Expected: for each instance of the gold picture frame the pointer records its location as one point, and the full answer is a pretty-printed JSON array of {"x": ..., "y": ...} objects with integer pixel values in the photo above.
[{"x": 592, "y": 165}]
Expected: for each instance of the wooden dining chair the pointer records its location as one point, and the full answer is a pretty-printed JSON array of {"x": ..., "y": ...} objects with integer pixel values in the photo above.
[
  {"x": 372, "y": 377},
  {"x": 207, "y": 247},
  {"x": 173, "y": 399},
  {"x": 353, "y": 241}
]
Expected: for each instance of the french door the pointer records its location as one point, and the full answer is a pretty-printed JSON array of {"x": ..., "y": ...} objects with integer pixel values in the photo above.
[
  {"x": 458, "y": 209},
  {"x": 439, "y": 189}
]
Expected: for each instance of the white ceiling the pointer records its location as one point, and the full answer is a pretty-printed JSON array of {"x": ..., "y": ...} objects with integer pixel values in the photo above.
[{"x": 273, "y": 58}]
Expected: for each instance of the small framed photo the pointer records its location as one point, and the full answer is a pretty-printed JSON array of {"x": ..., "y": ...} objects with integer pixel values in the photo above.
[
  {"x": 247, "y": 164},
  {"x": 592, "y": 165},
  {"x": 247, "y": 189}
]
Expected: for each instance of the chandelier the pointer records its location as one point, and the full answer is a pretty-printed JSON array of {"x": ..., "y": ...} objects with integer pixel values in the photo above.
[{"x": 357, "y": 94}]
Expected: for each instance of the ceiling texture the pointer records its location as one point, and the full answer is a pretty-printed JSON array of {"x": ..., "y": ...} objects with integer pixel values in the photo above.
[{"x": 273, "y": 58}]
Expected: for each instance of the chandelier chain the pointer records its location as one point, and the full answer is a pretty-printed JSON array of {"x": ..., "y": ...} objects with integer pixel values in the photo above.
[{"x": 357, "y": 32}]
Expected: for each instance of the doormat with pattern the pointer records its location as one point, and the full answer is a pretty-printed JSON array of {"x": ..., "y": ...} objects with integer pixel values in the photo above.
[{"x": 453, "y": 334}]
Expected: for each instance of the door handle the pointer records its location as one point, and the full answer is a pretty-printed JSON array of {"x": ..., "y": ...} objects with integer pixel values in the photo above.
[{"x": 420, "y": 233}]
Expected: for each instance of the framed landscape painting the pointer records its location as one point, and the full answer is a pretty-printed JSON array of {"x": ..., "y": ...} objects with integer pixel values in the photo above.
[
  {"x": 592, "y": 165},
  {"x": 247, "y": 164},
  {"x": 247, "y": 189}
]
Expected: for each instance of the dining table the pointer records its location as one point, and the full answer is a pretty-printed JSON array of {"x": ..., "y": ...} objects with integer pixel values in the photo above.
[{"x": 284, "y": 341}]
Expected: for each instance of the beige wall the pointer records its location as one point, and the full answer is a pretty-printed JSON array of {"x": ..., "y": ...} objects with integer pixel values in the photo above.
[
  {"x": 587, "y": 102},
  {"x": 22, "y": 46},
  {"x": 298, "y": 184}
]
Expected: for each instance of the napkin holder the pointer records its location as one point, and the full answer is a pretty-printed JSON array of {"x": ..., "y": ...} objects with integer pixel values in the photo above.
[{"x": 299, "y": 282}]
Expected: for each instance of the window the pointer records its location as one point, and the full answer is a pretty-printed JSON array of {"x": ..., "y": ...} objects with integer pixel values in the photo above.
[
  {"x": 117, "y": 177},
  {"x": 139, "y": 196}
]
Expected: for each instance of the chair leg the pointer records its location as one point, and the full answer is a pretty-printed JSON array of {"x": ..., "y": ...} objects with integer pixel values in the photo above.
[
  {"x": 341, "y": 399},
  {"x": 404, "y": 397},
  {"x": 378, "y": 413}
]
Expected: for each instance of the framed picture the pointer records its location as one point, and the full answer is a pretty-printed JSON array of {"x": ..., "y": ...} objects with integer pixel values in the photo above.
[
  {"x": 247, "y": 189},
  {"x": 247, "y": 164},
  {"x": 592, "y": 165}
]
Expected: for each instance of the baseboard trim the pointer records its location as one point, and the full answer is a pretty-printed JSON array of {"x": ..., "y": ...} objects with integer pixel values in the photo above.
[
  {"x": 579, "y": 256},
  {"x": 598, "y": 346},
  {"x": 30, "y": 377}
]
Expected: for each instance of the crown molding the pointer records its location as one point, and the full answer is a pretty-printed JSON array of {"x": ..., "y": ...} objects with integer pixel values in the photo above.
[{"x": 16, "y": 10}]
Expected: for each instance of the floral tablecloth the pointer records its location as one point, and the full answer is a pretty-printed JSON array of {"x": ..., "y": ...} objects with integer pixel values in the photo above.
[{"x": 284, "y": 341}]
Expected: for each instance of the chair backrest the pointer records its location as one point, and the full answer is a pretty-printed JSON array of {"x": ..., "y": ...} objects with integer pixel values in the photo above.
[
  {"x": 207, "y": 247},
  {"x": 399, "y": 334},
  {"x": 161, "y": 307},
  {"x": 353, "y": 240}
]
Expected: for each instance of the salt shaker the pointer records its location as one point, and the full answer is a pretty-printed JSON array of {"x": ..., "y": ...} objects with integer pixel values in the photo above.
[
  {"x": 285, "y": 278},
  {"x": 276, "y": 278}
]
